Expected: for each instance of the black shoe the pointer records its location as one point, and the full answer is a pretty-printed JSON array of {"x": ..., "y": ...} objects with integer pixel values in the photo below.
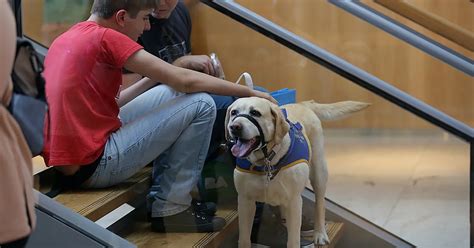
[
  {"x": 187, "y": 221},
  {"x": 208, "y": 208}
]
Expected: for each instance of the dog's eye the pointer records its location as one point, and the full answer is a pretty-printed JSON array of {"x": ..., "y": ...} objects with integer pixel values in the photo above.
[
  {"x": 255, "y": 113},
  {"x": 234, "y": 112}
]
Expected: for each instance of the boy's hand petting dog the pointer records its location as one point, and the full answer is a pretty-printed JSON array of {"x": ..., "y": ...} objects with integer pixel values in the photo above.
[{"x": 265, "y": 96}]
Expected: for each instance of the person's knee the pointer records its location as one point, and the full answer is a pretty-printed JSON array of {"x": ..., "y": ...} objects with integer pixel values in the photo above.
[
  {"x": 165, "y": 91},
  {"x": 208, "y": 102}
]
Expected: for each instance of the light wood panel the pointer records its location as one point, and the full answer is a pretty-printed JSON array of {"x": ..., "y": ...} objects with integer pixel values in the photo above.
[
  {"x": 274, "y": 66},
  {"x": 432, "y": 22},
  {"x": 32, "y": 11},
  {"x": 459, "y": 12}
]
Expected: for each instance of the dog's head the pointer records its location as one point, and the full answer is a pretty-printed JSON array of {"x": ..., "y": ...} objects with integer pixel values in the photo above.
[{"x": 246, "y": 134}]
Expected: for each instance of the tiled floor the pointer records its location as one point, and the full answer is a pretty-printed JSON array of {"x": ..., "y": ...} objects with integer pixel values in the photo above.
[{"x": 413, "y": 185}]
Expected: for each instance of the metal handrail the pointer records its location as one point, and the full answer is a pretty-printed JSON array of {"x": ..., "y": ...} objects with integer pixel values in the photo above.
[
  {"x": 408, "y": 35},
  {"x": 356, "y": 75},
  {"x": 343, "y": 68},
  {"x": 432, "y": 22}
]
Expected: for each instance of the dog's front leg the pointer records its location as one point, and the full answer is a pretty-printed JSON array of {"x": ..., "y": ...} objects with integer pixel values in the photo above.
[
  {"x": 320, "y": 234},
  {"x": 246, "y": 209},
  {"x": 292, "y": 213}
]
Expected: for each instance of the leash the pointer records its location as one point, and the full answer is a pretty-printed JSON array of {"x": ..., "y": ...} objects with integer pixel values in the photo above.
[{"x": 247, "y": 78}]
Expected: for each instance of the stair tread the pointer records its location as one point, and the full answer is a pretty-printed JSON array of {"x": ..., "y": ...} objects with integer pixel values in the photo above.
[
  {"x": 334, "y": 231},
  {"x": 142, "y": 236},
  {"x": 38, "y": 165},
  {"x": 95, "y": 203}
]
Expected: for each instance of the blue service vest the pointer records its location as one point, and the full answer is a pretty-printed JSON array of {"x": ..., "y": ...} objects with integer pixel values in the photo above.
[{"x": 299, "y": 151}]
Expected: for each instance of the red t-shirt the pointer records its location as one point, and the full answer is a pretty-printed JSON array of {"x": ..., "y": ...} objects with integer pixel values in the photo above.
[{"x": 83, "y": 72}]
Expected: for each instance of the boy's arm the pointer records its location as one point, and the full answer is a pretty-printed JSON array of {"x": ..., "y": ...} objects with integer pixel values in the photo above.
[
  {"x": 185, "y": 80},
  {"x": 134, "y": 90}
]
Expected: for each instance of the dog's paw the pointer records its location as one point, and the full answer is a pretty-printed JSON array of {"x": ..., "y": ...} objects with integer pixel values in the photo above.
[{"x": 321, "y": 238}]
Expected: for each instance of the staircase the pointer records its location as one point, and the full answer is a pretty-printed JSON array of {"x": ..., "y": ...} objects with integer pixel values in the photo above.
[{"x": 95, "y": 204}]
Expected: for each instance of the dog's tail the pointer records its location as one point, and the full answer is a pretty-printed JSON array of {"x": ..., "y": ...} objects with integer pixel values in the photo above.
[{"x": 335, "y": 111}]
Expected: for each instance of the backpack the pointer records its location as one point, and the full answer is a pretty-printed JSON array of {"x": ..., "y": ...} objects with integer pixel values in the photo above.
[{"x": 28, "y": 104}]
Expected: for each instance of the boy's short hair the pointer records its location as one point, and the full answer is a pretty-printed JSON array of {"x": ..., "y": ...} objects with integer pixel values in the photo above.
[{"x": 107, "y": 8}]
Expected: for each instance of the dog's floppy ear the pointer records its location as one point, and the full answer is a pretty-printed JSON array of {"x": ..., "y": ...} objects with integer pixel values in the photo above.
[
  {"x": 227, "y": 118},
  {"x": 281, "y": 126}
]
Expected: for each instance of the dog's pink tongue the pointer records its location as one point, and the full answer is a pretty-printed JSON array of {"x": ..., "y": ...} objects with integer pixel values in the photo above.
[{"x": 240, "y": 149}]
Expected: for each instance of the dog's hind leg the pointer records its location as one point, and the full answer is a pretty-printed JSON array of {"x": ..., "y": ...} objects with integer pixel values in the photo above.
[
  {"x": 319, "y": 176},
  {"x": 246, "y": 210},
  {"x": 292, "y": 213}
]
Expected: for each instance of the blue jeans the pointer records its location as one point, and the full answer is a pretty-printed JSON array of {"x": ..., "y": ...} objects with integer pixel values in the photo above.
[{"x": 169, "y": 128}]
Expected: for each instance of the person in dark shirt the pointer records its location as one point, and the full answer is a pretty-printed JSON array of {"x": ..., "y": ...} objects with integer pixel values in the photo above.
[{"x": 169, "y": 38}]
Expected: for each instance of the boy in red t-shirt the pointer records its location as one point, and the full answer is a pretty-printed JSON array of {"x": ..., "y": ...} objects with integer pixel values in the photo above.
[{"x": 99, "y": 135}]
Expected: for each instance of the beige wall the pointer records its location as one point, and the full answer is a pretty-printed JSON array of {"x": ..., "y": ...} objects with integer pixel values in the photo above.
[
  {"x": 32, "y": 11},
  {"x": 274, "y": 66}
]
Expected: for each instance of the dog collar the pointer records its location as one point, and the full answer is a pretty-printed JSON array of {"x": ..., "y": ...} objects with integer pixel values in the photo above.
[
  {"x": 299, "y": 151},
  {"x": 255, "y": 123}
]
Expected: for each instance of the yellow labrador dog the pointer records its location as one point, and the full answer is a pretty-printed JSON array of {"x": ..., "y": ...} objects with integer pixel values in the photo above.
[{"x": 263, "y": 137}]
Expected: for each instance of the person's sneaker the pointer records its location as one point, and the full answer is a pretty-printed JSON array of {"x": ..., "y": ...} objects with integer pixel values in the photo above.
[
  {"x": 187, "y": 221},
  {"x": 208, "y": 208},
  {"x": 307, "y": 227}
]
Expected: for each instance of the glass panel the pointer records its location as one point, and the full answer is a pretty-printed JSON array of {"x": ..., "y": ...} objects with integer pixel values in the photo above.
[
  {"x": 374, "y": 51},
  {"x": 385, "y": 164}
]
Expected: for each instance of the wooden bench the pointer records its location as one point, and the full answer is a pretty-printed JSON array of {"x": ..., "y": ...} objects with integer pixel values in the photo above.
[{"x": 95, "y": 203}]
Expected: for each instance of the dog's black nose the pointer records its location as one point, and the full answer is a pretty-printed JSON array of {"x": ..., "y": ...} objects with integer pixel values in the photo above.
[{"x": 236, "y": 128}]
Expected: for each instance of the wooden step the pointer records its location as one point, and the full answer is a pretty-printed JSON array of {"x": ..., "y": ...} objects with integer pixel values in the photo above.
[
  {"x": 335, "y": 231},
  {"x": 95, "y": 203},
  {"x": 38, "y": 165},
  {"x": 143, "y": 237}
]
